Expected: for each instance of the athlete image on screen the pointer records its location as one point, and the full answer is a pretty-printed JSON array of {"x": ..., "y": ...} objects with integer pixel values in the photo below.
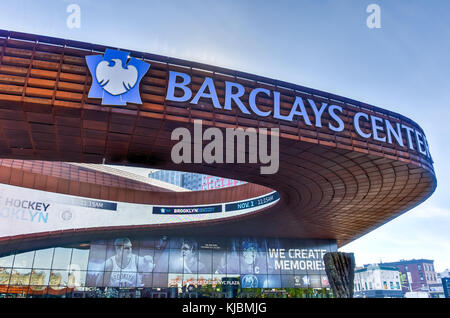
[
  {"x": 188, "y": 254},
  {"x": 252, "y": 260},
  {"x": 186, "y": 260},
  {"x": 124, "y": 269}
]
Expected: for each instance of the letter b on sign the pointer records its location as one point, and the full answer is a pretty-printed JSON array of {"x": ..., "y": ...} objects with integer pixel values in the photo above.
[{"x": 374, "y": 19}]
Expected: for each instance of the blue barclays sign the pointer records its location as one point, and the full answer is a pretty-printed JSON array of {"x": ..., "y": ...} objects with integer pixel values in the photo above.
[{"x": 115, "y": 79}]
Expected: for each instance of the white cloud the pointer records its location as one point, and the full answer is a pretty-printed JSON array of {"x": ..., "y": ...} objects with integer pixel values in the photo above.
[{"x": 430, "y": 212}]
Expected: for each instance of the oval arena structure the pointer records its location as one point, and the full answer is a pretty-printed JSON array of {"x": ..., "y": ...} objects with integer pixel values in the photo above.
[{"x": 345, "y": 167}]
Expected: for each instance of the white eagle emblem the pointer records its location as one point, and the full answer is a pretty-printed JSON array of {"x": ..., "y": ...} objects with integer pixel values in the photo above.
[{"x": 116, "y": 79}]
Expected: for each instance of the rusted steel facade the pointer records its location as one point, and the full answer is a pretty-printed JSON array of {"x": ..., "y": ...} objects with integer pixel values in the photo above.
[{"x": 333, "y": 185}]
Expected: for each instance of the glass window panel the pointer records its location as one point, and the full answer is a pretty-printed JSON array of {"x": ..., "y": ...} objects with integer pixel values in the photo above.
[
  {"x": 273, "y": 244},
  {"x": 216, "y": 243},
  {"x": 152, "y": 242},
  {"x": 127, "y": 279},
  {"x": 332, "y": 246},
  {"x": 217, "y": 279},
  {"x": 146, "y": 280},
  {"x": 219, "y": 262},
  {"x": 20, "y": 277},
  {"x": 24, "y": 260},
  {"x": 260, "y": 265},
  {"x": 315, "y": 281},
  {"x": 287, "y": 281},
  {"x": 80, "y": 259},
  {"x": 58, "y": 278},
  {"x": 176, "y": 261},
  {"x": 233, "y": 262},
  {"x": 94, "y": 279},
  {"x": 129, "y": 262},
  {"x": 288, "y": 243},
  {"x": 39, "y": 277},
  {"x": 113, "y": 258},
  {"x": 314, "y": 266},
  {"x": 204, "y": 279},
  {"x": 189, "y": 254},
  {"x": 324, "y": 281},
  {"x": 235, "y": 244},
  {"x": 175, "y": 242},
  {"x": 161, "y": 260},
  {"x": 254, "y": 281},
  {"x": 43, "y": 259},
  {"x": 303, "y": 280},
  {"x": 76, "y": 278},
  {"x": 272, "y": 281},
  {"x": 146, "y": 259},
  {"x": 160, "y": 280},
  {"x": 110, "y": 279},
  {"x": 247, "y": 258},
  {"x": 61, "y": 258},
  {"x": 5, "y": 274},
  {"x": 205, "y": 261},
  {"x": 97, "y": 257},
  {"x": 190, "y": 280},
  {"x": 175, "y": 280},
  {"x": 273, "y": 261},
  {"x": 6, "y": 261},
  {"x": 37, "y": 291},
  {"x": 301, "y": 264},
  {"x": 123, "y": 249},
  {"x": 321, "y": 248}
]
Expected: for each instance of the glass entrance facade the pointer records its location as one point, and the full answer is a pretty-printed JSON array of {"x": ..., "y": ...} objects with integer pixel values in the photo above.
[{"x": 163, "y": 267}]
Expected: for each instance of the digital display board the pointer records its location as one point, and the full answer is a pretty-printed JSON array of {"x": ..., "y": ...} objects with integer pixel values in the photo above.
[
  {"x": 27, "y": 211},
  {"x": 252, "y": 203},
  {"x": 187, "y": 210}
]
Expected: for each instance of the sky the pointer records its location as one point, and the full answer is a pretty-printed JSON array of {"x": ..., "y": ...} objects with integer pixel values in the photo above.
[{"x": 403, "y": 66}]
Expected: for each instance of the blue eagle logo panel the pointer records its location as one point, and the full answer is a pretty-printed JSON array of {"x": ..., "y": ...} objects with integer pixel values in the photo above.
[{"x": 115, "y": 79}]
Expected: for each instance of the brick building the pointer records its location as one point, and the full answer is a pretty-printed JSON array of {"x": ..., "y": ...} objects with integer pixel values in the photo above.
[{"x": 416, "y": 275}]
